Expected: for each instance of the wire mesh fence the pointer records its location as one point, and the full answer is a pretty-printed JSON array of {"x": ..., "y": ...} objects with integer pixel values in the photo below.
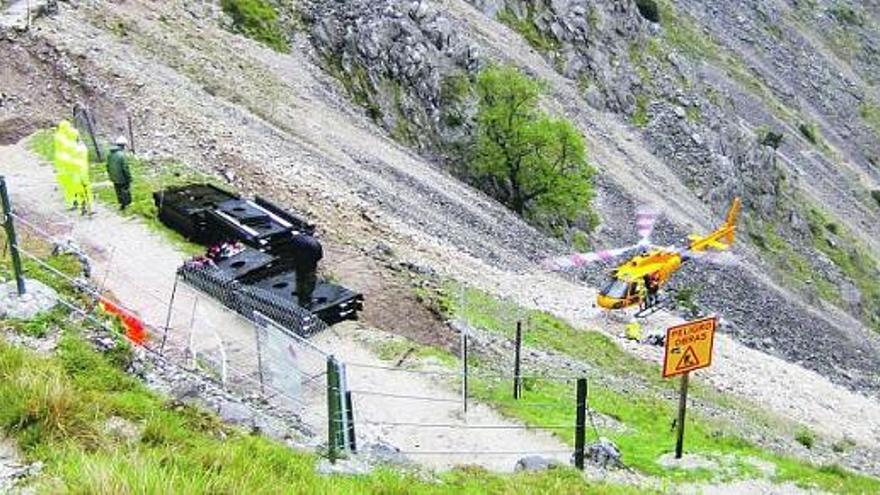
[
  {"x": 208, "y": 324},
  {"x": 191, "y": 329}
]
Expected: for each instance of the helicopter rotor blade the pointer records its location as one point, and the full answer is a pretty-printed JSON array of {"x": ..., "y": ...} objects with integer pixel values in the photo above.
[
  {"x": 577, "y": 260},
  {"x": 721, "y": 258},
  {"x": 646, "y": 217}
]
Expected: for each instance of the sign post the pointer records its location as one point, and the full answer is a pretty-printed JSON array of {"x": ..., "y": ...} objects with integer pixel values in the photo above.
[
  {"x": 682, "y": 406},
  {"x": 688, "y": 348}
]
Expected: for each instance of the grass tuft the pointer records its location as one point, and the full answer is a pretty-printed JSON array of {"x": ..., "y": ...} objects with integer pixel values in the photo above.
[
  {"x": 640, "y": 116},
  {"x": 870, "y": 113},
  {"x": 806, "y": 438},
  {"x": 526, "y": 28},
  {"x": 257, "y": 19}
]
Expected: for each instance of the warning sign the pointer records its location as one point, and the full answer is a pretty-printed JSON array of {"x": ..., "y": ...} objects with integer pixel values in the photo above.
[{"x": 688, "y": 347}]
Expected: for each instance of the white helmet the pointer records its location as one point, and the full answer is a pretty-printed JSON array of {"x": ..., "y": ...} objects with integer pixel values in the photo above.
[{"x": 121, "y": 141}]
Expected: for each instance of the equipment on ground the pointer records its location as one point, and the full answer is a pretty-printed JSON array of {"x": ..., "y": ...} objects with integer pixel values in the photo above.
[
  {"x": 258, "y": 272},
  {"x": 639, "y": 279}
]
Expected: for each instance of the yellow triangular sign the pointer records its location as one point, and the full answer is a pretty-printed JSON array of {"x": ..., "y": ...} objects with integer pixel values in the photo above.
[{"x": 688, "y": 360}]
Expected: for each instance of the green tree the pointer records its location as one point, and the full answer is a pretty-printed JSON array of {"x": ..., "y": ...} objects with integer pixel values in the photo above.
[{"x": 535, "y": 164}]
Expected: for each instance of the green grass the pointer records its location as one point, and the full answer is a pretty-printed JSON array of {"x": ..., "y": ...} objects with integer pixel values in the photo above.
[
  {"x": 357, "y": 84},
  {"x": 39, "y": 326},
  {"x": 870, "y": 113},
  {"x": 681, "y": 33},
  {"x": 847, "y": 15},
  {"x": 640, "y": 55},
  {"x": 684, "y": 34},
  {"x": 148, "y": 176},
  {"x": 455, "y": 91},
  {"x": 404, "y": 130},
  {"x": 851, "y": 258},
  {"x": 55, "y": 408},
  {"x": 640, "y": 117},
  {"x": 645, "y": 414},
  {"x": 549, "y": 333},
  {"x": 543, "y": 331},
  {"x": 839, "y": 245},
  {"x": 394, "y": 349},
  {"x": 257, "y": 19},
  {"x": 41, "y": 144}
]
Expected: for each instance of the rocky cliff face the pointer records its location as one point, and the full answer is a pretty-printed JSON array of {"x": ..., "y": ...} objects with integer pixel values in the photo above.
[{"x": 405, "y": 63}]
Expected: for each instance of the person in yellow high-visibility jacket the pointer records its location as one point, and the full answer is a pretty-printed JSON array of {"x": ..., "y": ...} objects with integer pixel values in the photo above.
[
  {"x": 58, "y": 142},
  {"x": 633, "y": 331},
  {"x": 82, "y": 182},
  {"x": 64, "y": 142}
]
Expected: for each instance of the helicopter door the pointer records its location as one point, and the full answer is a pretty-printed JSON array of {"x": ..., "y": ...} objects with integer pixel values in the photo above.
[{"x": 633, "y": 293}]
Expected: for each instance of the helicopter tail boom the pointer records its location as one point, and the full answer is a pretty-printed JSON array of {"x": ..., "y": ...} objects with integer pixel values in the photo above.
[
  {"x": 730, "y": 223},
  {"x": 722, "y": 238}
]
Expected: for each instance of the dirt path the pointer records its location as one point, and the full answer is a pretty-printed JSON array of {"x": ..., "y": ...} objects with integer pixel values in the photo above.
[
  {"x": 137, "y": 267},
  {"x": 383, "y": 397}
]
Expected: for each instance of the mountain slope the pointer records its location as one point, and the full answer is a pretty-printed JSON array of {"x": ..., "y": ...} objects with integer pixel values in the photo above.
[{"x": 280, "y": 125}]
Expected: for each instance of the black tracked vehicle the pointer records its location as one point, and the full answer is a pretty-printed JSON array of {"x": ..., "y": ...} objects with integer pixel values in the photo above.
[{"x": 260, "y": 276}]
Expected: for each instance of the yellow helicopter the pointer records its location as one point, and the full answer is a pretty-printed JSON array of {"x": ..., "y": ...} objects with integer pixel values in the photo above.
[{"x": 638, "y": 280}]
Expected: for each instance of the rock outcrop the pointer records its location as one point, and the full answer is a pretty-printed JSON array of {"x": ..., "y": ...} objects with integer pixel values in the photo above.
[{"x": 404, "y": 62}]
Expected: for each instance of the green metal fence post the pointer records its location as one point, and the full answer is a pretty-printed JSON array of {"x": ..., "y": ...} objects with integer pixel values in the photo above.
[{"x": 9, "y": 225}]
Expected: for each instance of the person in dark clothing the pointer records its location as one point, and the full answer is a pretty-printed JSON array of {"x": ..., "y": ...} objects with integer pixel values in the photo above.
[
  {"x": 308, "y": 253},
  {"x": 652, "y": 285},
  {"x": 120, "y": 176}
]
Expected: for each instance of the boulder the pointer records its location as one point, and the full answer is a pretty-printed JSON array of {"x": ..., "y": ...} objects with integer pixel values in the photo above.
[
  {"x": 37, "y": 298},
  {"x": 603, "y": 453}
]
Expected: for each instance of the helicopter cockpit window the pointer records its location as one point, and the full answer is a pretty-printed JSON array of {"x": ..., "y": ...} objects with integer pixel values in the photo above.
[
  {"x": 632, "y": 290},
  {"x": 616, "y": 289}
]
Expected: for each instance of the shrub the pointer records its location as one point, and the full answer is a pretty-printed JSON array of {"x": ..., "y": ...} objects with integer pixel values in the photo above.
[
  {"x": 257, "y": 19},
  {"x": 806, "y": 438},
  {"x": 580, "y": 241},
  {"x": 842, "y": 445},
  {"x": 685, "y": 297},
  {"x": 809, "y": 131},
  {"x": 767, "y": 137},
  {"x": 876, "y": 195}
]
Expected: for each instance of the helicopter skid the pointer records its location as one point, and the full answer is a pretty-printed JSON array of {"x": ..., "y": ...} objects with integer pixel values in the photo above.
[{"x": 647, "y": 311}]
